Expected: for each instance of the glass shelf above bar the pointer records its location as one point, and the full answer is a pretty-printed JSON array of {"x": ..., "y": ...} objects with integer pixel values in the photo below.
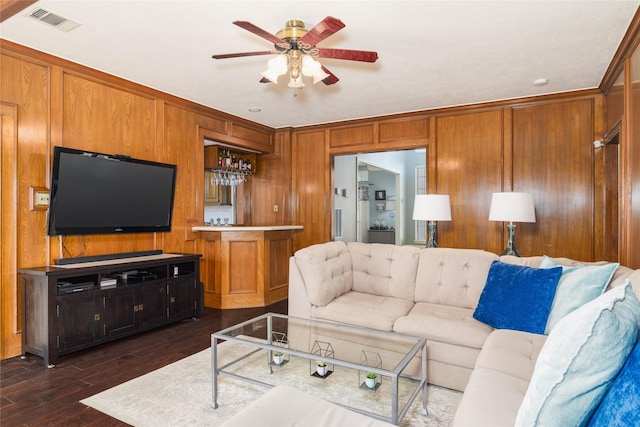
[
  {"x": 233, "y": 171},
  {"x": 232, "y": 177}
]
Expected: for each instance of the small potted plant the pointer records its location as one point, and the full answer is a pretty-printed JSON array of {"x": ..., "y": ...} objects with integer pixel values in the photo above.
[
  {"x": 278, "y": 357},
  {"x": 321, "y": 368},
  {"x": 370, "y": 380}
]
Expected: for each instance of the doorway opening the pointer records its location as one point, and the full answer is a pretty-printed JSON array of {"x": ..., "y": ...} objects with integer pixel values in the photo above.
[{"x": 358, "y": 179}]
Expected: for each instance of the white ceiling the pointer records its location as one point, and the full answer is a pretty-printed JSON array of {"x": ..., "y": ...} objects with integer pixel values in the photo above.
[{"x": 431, "y": 53}]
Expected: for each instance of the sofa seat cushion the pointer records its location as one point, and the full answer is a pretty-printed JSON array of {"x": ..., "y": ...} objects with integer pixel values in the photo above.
[
  {"x": 443, "y": 323},
  {"x": 500, "y": 379},
  {"x": 361, "y": 309},
  {"x": 491, "y": 399},
  {"x": 512, "y": 352}
]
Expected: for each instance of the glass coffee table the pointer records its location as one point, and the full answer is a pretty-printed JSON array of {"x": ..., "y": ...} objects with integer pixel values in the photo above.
[{"x": 329, "y": 360}]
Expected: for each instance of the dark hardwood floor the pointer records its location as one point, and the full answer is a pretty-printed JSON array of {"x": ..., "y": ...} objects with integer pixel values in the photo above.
[{"x": 33, "y": 395}]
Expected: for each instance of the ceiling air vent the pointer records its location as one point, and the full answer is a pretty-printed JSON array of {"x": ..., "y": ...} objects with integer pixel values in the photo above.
[{"x": 56, "y": 21}]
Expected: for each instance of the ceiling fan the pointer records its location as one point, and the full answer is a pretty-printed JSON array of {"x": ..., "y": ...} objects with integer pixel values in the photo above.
[{"x": 296, "y": 48}]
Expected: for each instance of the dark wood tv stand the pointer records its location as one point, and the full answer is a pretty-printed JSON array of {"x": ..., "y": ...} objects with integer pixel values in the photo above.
[{"x": 66, "y": 309}]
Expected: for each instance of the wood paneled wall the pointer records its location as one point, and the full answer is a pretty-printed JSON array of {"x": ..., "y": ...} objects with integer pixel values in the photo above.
[
  {"x": 54, "y": 102},
  {"x": 271, "y": 185},
  {"x": 470, "y": 167},
  {"x": 543, "y": 146},
  {"x": 553, "y": 158},
  {"x": 312, "y": 204}
]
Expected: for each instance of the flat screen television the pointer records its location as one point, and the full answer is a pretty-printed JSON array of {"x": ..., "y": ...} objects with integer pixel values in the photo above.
[{"x": 95, "y": 193}]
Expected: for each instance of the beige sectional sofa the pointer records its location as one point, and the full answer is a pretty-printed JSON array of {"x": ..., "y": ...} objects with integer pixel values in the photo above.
[{"x": 431, "y": 293}]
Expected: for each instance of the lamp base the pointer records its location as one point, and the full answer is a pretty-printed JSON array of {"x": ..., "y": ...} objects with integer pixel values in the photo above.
[
  {"x": 432, "y": 244},
  {"x": 511, "y": 243},
  {"x": 511, "y": 251},
  {"x": 432, "y": 235}
]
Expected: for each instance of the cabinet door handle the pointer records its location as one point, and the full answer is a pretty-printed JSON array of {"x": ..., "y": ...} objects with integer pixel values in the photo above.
[
  {"x": 96, "y": 317},
  {"x": 173, "y": 299}
]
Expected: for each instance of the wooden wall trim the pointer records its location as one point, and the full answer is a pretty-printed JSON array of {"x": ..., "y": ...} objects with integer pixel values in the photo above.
[
  {"x": 629, "y": 42},
  {"x": 32, "y": 55},
  {"x": 10, "y": 323},
  {"x": 8, "y": 8},
  {"x": 599, "y": 185},
  {"x": 460, "y": 109},
  {"x": 507, "y": 149}
]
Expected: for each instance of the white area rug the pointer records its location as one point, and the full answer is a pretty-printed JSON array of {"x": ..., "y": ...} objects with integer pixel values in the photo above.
[{"x": 179, "y": 394}]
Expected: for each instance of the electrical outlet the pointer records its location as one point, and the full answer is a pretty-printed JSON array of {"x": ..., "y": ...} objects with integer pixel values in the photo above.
[
  {"x": 39, "y": 198},
  {"x": 42, "y": 198},
  {"x": 275, "y": 208}
]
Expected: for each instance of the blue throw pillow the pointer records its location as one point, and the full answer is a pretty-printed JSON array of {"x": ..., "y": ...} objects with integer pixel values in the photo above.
[
  {"x": 621, "y": 405},
  {"x": 517, "y": 297},
  {"x": 580, "y": 360},
  {"x": 578, "y": 285}
]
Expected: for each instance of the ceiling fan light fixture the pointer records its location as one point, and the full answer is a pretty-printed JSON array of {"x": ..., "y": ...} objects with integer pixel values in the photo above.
[
  {"x": 296, "y": 48},
  {"x": 319, "y": 76},
  {"x": 276, "y": 67},
  {"x": 296, "y": 83},
  {"x": 312, "y": 68}
]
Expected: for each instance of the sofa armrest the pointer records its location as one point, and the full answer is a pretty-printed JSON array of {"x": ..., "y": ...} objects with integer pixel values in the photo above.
[{"x": 299, "y": 304}]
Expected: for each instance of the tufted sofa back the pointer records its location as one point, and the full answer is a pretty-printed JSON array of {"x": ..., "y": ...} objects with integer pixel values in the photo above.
[
  {"x": 453, "y": 277},
  {"x": 383, "y": 269},
  {"x": 620, "y": 276},
  {"x": 326, "y": 270}
]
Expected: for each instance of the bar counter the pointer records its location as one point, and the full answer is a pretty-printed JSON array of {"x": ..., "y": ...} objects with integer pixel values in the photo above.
[{"x": 245, "y": 266}]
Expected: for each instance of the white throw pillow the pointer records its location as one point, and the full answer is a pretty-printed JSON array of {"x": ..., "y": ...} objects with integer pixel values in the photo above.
[
  {"x": 580, "y": 359},
  {"x": 578, "y": 285}
]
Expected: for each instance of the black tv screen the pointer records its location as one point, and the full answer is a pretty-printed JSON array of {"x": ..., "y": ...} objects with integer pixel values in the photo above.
[{"x": 95, "y": 193}]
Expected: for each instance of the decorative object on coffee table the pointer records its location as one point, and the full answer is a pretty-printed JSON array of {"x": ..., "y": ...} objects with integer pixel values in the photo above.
[
  {"x": 278, "y": 358},
  {"x": 371, "y": 380},
  {"x": 279, "y": 339},
  {"x": 320, "y": 368}
]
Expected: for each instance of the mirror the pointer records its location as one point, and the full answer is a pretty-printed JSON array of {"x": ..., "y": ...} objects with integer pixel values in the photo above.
[{"x": 373, "y": 196}]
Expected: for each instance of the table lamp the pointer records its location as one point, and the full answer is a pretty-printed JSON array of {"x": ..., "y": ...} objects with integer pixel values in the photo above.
[
  {"x": 432, "y": 208},
  {"x": 512, "y": 207}
]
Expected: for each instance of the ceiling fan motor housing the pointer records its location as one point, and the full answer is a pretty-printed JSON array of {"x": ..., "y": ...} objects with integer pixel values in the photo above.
[{"x": 292, "y": 31}]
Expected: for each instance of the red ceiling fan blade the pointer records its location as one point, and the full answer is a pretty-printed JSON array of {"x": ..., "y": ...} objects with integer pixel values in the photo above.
[
  {"x": 332, "y": 79},
  {"x": 351, "y": 55},
  {"x": 239, "y": 55},
  {"x": 262, "y": 33},
  {"x": 321, "y": 31}
]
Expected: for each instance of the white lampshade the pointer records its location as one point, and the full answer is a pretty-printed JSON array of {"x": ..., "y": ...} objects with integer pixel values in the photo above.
[
  {"x": 513, "y": 207},
  {"x": 432, "y": 207}
]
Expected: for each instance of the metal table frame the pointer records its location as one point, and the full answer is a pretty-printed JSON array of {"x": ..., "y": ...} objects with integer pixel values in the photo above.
[{"x": 394, "y": 375}]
